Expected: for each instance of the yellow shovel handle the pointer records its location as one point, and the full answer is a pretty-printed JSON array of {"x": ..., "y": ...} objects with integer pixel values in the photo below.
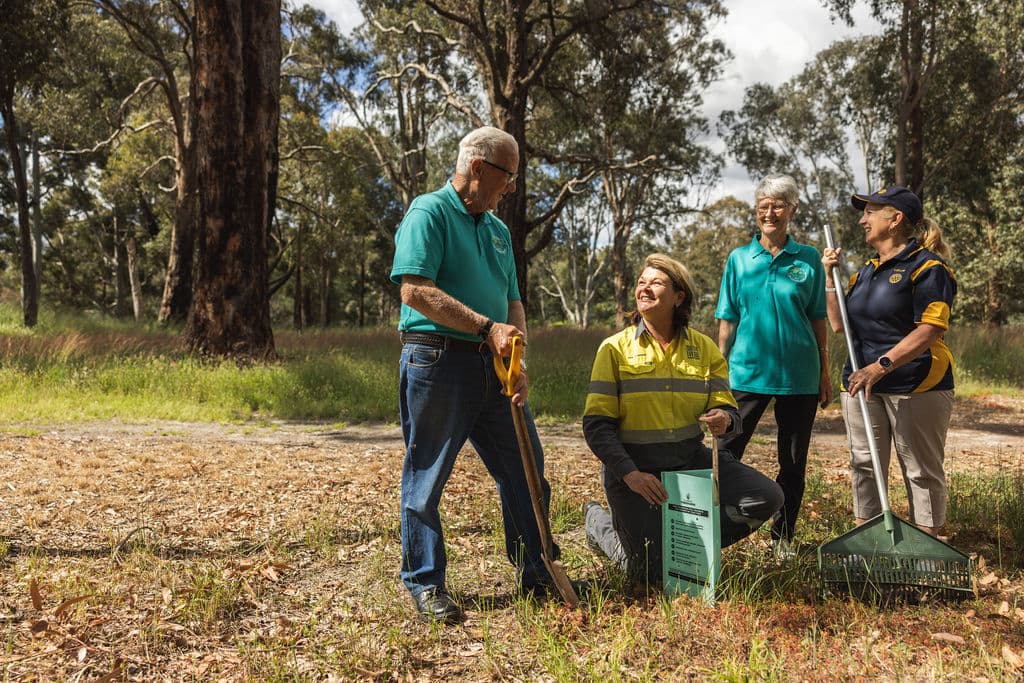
[{"x": 510, "y": 375}]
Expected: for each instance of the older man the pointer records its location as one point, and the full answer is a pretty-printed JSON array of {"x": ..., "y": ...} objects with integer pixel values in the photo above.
[{"x": 460, "y": 306}]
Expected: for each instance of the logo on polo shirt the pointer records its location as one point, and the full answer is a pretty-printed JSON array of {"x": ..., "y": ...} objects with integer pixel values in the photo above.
[
  {"x": 797, "y": 273},
  {"x": 894, "y": 278},
  {"x": 499, "y": 245}
]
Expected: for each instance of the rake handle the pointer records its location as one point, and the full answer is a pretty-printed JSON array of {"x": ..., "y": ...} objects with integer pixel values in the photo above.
[{"x": 876, "y": 461}]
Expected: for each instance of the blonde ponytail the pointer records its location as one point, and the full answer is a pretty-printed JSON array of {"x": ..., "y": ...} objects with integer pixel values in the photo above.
[{"x": 931, "y": 237}]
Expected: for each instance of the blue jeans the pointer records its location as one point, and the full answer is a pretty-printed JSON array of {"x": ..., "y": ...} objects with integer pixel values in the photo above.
[{"x": 447, "y": 397}]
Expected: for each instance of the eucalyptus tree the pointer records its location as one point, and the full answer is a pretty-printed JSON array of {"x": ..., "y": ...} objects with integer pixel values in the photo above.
[
  {"x": 975, "y": 126},
  {"x": 927, "y": 36},
  {"x": 799, "y": 128},
  {"x": 703, "y": 242},
  {"x": 512, "y": 46},
  {"x": 29, "y": 34},
  {"x": 396, "y": 87},
  {"x": 162, "y": 32},
  {"x": 105, "y": 196},
  {"x": 626, "y": 103},
  {"x": 575, "y": 267},
  {"x": 238, "y": 80}
]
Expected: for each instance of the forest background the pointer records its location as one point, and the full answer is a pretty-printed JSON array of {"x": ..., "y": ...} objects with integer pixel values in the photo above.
[{"x": 99, "y": 181}]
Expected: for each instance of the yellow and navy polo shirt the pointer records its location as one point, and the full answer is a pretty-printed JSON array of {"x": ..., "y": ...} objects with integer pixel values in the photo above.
[
  {"x": 887, "y": 301},
  {"x": 653, "y": 397}
]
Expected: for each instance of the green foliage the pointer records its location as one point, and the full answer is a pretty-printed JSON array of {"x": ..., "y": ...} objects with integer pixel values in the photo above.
[{"x": 703, "y": 244}]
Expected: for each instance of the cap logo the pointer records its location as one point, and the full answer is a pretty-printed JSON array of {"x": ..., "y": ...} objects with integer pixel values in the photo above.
[
  {"x": 894, "y": 278},
  {"x": 883, "y": 190}
]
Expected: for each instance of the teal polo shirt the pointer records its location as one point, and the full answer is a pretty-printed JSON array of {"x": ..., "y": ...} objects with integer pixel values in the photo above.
[
  {"x": 773, "y": 301},
  {"x": 468, "y": 257}
]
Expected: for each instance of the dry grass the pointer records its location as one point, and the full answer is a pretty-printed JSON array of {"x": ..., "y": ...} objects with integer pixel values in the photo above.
[{"x": 210, "y": 552}]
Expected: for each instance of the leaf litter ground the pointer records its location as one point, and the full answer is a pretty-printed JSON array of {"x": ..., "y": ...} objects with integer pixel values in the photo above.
[{"x": 173, "y": 551}]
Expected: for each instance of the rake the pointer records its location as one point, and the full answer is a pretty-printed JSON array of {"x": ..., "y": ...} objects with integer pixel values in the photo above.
[
  {"x": 886, "y": 558},
  {"x": 508, "y": 377}
]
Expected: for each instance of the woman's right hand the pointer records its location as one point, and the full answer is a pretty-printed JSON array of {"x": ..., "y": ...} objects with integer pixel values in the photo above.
[
  {"x": 830, "y": 258},
  {"x": 646, "y": 486}
]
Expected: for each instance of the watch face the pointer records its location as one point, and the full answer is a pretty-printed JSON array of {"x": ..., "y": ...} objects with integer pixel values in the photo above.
[{"x": 885, "y": 362}]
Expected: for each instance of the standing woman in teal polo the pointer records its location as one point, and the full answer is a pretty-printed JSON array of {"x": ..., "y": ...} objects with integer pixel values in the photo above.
[{"x": 772, "y": 329}]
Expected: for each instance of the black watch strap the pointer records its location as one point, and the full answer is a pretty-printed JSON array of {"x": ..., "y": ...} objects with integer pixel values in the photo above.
[{"x": 485, "y": 329}]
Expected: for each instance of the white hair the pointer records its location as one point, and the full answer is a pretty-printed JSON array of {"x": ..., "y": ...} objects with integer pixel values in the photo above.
[
  {"x": 778, "y": 186},
  {"x": 482, "y": 143}
]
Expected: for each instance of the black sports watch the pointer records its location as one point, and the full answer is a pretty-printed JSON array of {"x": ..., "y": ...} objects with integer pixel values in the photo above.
[
  {"x": 485, "y": 329},
  {"x": 886, "y": 363}
]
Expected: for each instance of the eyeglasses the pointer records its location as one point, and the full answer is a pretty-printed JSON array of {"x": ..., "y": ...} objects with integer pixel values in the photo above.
[
  {"x": 511, "y": 176},
  {"x": 777, "y": 209}
]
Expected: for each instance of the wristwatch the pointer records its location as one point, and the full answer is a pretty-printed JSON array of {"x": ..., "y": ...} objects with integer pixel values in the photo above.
[
  {"x": 886, "y": 363},
  {"x": 485, "y": 329}
]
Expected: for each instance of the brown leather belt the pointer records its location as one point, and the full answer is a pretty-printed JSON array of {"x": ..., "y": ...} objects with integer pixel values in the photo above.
[{"x": 439, "y": 341}]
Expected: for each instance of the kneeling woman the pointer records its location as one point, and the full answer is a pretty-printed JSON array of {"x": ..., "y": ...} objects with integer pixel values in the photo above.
[{"x": 651, "y": 386}]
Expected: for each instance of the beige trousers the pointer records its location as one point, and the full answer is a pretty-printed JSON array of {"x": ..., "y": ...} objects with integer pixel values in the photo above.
[{"x": 917, "y": 425}]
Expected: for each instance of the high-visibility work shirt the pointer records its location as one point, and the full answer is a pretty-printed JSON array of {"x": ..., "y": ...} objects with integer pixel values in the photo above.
[
  {"x": 469, "y": 257},
  {"x": 773, "y": 301},
  {"x": 651, "y": 398},
  {"x": 886, "y": 302}
]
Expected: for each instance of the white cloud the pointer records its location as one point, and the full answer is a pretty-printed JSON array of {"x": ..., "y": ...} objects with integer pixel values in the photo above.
[{"x": 344, "y": 13}]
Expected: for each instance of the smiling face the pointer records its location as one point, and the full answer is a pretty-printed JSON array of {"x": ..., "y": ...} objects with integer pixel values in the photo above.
[
  {"x": 773, "y": 215},
  {"x": 879, "y": 222},
  {"x": 492, "y": 180},
  {"x": 656, "y": 296}
]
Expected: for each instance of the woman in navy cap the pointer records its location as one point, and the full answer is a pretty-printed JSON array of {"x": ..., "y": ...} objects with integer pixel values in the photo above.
[{"x": 898, "y": 305}]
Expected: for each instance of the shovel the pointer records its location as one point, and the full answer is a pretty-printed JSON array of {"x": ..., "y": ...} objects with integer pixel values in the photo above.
[
  {"x": 887, "y": 558},
  {"x": 508, "y": 377}
]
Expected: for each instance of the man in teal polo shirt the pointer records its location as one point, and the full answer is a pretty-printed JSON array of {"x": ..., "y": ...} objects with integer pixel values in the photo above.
[
  {"x": 460, "y": 306},
  {"x": 772, "y": 329}
]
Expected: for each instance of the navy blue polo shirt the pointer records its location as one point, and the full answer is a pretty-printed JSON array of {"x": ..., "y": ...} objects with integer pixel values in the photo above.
[{"x": 887, "y": 301}]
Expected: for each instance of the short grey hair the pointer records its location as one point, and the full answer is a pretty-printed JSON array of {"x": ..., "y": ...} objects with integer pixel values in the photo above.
[
  {"x": 778, "y": 185},
  {"x": 482, "y": 143}
]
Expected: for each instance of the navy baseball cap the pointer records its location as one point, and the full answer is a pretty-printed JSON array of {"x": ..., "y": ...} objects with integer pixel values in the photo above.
[{"x": 896, "y": 196}]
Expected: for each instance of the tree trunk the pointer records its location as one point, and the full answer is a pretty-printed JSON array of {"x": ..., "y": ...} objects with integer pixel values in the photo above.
[
  {"x": 238, "y": 64},
  {"x": 133, "y": 274},
  {"x": 29, "y": 287},
  {"x": 119, "y": 272},
  {"x": 177, "y": 298},
  {"x": 620, "y": 281},
  {"x": 37, "y": 219},
  {"x": 297, "y": 321}
]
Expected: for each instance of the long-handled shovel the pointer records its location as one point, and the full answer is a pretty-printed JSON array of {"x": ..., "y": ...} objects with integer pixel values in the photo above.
[
  {"x": 887, "y": 558},
  {"x": 509, "y": 376}
]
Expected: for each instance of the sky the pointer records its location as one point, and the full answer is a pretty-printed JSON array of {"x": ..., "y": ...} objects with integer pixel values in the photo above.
[{"x": 771, "y": 41}]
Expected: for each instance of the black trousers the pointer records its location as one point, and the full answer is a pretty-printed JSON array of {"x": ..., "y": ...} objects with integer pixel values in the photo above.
[
  {"x": 631, "y": 534},
  {"x": 794, "y": 415}
]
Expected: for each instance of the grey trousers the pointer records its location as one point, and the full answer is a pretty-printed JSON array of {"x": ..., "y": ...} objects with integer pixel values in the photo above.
[{"x": 630, "y": 534}]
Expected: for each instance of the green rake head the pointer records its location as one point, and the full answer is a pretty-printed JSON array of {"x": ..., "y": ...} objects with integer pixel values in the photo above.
[{"x": 888, "y": 560}]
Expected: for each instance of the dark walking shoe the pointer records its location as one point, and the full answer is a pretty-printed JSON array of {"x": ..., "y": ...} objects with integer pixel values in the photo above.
[
  {"x": 543, "y": 590},
  {"x": 434, "y": 604}
]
